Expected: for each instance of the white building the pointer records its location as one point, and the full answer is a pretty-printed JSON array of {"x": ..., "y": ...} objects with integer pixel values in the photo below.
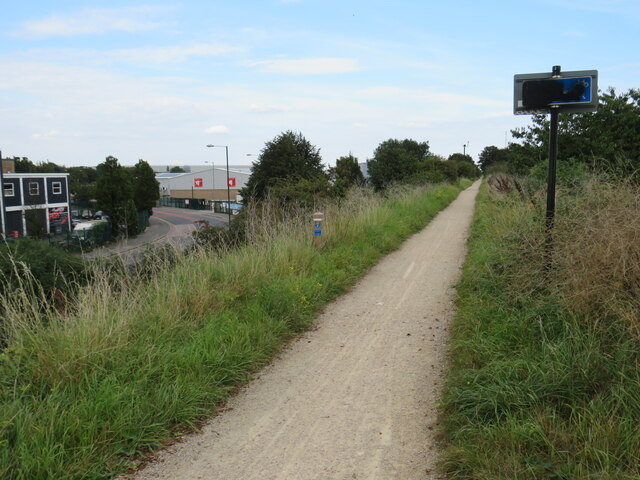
[{"x": 203, "y": 182}]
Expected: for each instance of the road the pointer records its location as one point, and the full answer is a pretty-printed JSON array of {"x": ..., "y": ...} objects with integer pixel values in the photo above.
[
  {"x": 166, "y": 225},
  {"x": 182, "y": 216},
  {"x": 356, "y": 397}
]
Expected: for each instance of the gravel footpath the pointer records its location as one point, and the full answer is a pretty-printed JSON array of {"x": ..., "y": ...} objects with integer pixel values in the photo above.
[{"x": 356, "y": 397}]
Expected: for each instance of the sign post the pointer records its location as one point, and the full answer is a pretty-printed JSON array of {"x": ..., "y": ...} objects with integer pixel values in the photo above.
[
  {"x": 318, "y": 219},
  {"x": 554, "y": 93}
]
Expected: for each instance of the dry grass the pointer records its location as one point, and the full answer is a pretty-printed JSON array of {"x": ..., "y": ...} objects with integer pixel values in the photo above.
[{"x": 597, "y": 256}]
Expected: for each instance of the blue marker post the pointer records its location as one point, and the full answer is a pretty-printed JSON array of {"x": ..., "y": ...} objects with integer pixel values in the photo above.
[{"x": 318, "y": 219}]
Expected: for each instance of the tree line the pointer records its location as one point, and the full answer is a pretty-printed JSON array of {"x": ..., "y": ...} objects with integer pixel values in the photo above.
[{"x": 289, "y": 168}]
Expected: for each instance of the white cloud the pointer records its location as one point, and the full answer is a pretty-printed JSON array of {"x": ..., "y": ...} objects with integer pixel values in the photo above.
[
  {"x": 416, "y": 124},
  {"x": 172, "y": 54},
  {"x": 309, "y": 66},
  {"x": 50, "y": 133},
  {"x": 217, "y": 129},
  {"x": 265, "y": 108},
  {"x": 432, "y": 95},
  {"x": 93, "y": 21}
]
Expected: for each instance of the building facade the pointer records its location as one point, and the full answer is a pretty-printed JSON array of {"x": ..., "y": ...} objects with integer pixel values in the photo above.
[
  {"x": 206, "y": 183},
  {"x": 34, "y": 204}
]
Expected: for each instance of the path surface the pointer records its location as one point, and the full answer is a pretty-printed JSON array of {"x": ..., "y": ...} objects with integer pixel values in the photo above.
[{"x": 355, "y": 398}]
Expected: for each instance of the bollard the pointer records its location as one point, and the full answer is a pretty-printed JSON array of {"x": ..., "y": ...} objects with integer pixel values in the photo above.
[{"x": 318, "y": 218}]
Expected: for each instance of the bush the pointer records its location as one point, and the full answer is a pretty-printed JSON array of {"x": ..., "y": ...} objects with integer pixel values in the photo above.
[{"x": 49, "y": 266}]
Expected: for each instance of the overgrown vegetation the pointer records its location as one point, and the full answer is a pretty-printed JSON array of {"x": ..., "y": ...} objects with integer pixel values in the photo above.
[
  {"x": 545, "y": 380},
  {"x": 137, "y": 358}
]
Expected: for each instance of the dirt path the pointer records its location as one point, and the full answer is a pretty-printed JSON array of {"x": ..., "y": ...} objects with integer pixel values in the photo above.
[{"x": 356, "y": 398}]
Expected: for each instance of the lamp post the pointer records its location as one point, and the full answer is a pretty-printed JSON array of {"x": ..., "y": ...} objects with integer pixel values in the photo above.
[
  {"x": 226, "y": 148},
  {"x": 213, "y": 184}
]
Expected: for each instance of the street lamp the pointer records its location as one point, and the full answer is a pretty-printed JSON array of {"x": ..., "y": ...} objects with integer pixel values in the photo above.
[
  {"x": 213, "y": 184},
  {"x": 226, "y": 148}
]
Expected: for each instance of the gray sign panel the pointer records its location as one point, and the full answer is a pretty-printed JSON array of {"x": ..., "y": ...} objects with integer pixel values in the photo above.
[{"x": 569, "y": 92}]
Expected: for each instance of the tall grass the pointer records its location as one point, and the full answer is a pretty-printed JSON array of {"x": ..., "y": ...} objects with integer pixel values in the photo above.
[
  {"x": 544, "y": 380},
  {"x": 134, "y": 360}
]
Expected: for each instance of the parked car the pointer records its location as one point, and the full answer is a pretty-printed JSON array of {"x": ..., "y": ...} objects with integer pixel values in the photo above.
[{"x": 100, "y": 215}]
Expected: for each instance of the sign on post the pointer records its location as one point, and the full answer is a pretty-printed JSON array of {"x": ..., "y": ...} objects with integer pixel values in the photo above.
[
  {"x": 554, "y": 92},
  {"x": 318, "y": 219},
  {"x": 569, "y": 92}
]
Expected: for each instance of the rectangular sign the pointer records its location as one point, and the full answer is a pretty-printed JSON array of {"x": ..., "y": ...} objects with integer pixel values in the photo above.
[
  {"x": 197, "y": 182},
  {"x": 232, "y": 182},
  {"x": 569, "y": 92}
]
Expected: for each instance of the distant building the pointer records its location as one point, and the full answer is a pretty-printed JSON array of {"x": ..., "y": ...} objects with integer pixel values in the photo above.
[
  {"x": 202, "y": 182},
  {"x": 196, "y": 168},
  {"x": 33, "y": 203}
]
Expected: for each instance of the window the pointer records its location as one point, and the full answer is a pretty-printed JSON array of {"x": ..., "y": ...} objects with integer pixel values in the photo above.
[
  {"x": 8, "y": 190},
  {"x": 34, "y": 188},
  {"x": 56, "y": 187}
]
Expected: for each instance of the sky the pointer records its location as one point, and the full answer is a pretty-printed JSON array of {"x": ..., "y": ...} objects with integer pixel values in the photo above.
[{"x": 160, "y": 79}]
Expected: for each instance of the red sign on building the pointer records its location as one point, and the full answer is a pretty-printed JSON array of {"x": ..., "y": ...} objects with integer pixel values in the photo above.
[
  {"x": 232, "y": 181},
  {"x": 197, "y": 182}
]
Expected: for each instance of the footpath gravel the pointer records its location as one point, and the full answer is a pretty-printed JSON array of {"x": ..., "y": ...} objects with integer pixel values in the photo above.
[{"x": 354, "y": 398}]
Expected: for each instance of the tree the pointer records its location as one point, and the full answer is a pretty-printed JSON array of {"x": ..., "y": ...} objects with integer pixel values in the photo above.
[
  {"x": 608, "y": 136},
  {"x": 396, "y": 161},
  {"x": 460, "y": 157},
  {"x": 176, "y": 170},
  {"x": 492, "y": 156},
  {"x": 288, "y": 156},
  {"x": 113, "y": 192},
  {"x": 82, "y": 183},
  {"x": 347, "y": 173},
  {"x": 146, "y": 189},
  {"x": 23, "y": 165},
  {"x": 347, "y": 170}
]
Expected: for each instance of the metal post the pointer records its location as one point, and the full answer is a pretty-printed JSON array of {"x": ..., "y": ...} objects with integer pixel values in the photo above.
[
  {"x": 551, "y": 178},
  {"x": 553, "y": 158},
  {"x": 2, "y": 207},
  {"x": 226, "y": 147},
  {"x": 228, "y": 191}
]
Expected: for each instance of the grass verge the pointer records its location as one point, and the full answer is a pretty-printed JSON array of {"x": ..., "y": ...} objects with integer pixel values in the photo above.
[
  {"x": 133, "y": 362},
  {"x": 544, "y": 382}
]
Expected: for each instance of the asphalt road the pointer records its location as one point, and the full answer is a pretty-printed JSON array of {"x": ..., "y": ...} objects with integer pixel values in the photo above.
[
  {"x": 167, "y": 225},
  {"x": 183, "y": 216}
]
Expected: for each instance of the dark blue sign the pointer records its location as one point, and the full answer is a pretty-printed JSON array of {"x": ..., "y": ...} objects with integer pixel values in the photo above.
[
  {"x": 556, "y": 91},
  {"x": 317, "y": 224},
  {"x": 575, "y": 90},
  {"x": 317, "y": 233}
]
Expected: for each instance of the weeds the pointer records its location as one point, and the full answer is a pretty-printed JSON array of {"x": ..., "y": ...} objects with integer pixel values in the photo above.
[{"x": 544, "y": 380}]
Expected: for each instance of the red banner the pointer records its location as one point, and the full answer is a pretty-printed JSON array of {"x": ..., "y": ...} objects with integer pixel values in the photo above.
[{"x": 232, "y": 182}]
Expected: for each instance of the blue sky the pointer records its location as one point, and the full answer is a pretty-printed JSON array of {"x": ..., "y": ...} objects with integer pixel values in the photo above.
[{"x": 158, "y": 80}]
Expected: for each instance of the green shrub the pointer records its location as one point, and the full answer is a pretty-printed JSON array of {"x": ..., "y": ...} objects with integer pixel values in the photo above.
[{"x": 47, "y": 265}]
